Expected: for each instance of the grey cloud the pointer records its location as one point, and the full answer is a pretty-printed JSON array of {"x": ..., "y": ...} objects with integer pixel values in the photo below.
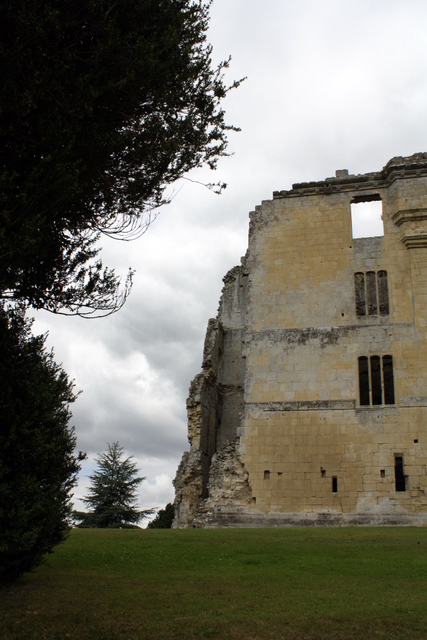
[{"x": 330, "y": 85}]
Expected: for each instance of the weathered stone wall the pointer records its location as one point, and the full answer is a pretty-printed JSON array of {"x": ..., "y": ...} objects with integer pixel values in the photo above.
[
  {"x": 287, "y": 374},
  {"x": 215, "y": 403}
]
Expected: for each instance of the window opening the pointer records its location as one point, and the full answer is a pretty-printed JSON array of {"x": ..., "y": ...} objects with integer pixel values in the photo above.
[
  {"x": 366, "y": 217},
  {"x": 382, "y": 473},
  {"x": 266, "y": 475},
  {"x": 363, "y": 381},
  {"x": 383, "y": 293},
  {"x": 323, "y": 472},
  {"x": 376, "y": 380},
  {"x": 398, "y": 473},
  {"x": 359, "y": 290},
  {"x": 371, "y": 293},
  {"x": 334, "y": 484},
  {"x": 388, "y": 380}
]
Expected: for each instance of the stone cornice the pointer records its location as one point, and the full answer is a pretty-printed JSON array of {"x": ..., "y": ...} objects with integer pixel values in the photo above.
[
  {"x": 413, "y": 227},
  {"x": 396, "y": 169},
  {"x": 409, "y": 215},
  {"x": 416, "y": 241},
  {"x": 305, "y": 405}
]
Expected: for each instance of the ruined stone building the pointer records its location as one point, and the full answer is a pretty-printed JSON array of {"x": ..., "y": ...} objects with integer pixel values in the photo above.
[{"x": 311, "y": 407}]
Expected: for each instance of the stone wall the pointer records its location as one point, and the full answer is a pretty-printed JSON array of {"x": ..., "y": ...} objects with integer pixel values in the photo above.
[{"x": 312, "y": 404}]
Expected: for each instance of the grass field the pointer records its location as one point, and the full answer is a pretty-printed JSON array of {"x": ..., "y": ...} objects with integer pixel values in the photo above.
[{"x": 326, "y": 583}]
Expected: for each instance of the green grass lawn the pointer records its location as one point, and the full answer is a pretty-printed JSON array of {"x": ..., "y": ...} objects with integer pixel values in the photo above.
[{"x": 324, "y": 583}]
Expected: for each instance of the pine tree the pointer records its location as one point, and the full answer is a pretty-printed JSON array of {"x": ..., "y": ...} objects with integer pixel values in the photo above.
[{"x": 112, "y": 496}]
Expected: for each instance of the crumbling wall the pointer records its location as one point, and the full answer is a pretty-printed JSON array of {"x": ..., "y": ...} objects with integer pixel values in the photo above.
[
  {"x": 231, "y": 379},
  {"x": 203, "y": 412},
  {"x": 317, "y": 397},
  {"x": 228, "y": 490},
  {"x": 215, "y": 402}
]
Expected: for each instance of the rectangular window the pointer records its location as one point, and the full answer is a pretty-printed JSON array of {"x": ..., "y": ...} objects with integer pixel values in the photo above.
[
  {"x": 371, "y": 293},
  {"x": 383, "y": 293},
  {"x": 388, "y": 380},
  {"x": 359, "y": 290},
  {"x": 364, "y": 381},
  {"x": 376, "y": 380},
  {"x": 366, "y": 216},
  {"x": 376, "y": 390},
  {"x": 334, "y": 484},
  {"x": 398, "y": 473}
]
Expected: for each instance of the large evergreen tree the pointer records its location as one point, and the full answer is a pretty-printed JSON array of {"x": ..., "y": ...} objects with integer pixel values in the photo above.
[
  {"x": 103, "y": 104},
  {"x": 38, "y": 467},
  {"x": 112, "y": 495}
]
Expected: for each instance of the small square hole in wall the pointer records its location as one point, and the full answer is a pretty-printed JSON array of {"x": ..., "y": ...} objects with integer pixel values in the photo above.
[
  {"x": 280, "y": 474},
  {"x": 416, "y": 440},
  {"x": 367, "y": 219},
  {"x": 266, "y": 475},
  {"x": 382, "y": 473}
]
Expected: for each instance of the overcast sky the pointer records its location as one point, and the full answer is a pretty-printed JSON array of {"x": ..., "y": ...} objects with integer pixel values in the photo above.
[{"x": 331, "y": 84}]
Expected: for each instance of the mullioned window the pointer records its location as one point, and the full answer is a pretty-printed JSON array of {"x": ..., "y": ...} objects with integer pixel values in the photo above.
[
  {"x": 371, "y": 292},
  {"x": 376, "y": 380}
]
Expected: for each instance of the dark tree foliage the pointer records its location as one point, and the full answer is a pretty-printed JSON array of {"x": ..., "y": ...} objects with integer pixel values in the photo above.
[
  {"x": 103, "y": 104},
  {"x": 112, "y": 496},
  {"x": 38, "y": 467},
  {"x": 164, "y": 518}
]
